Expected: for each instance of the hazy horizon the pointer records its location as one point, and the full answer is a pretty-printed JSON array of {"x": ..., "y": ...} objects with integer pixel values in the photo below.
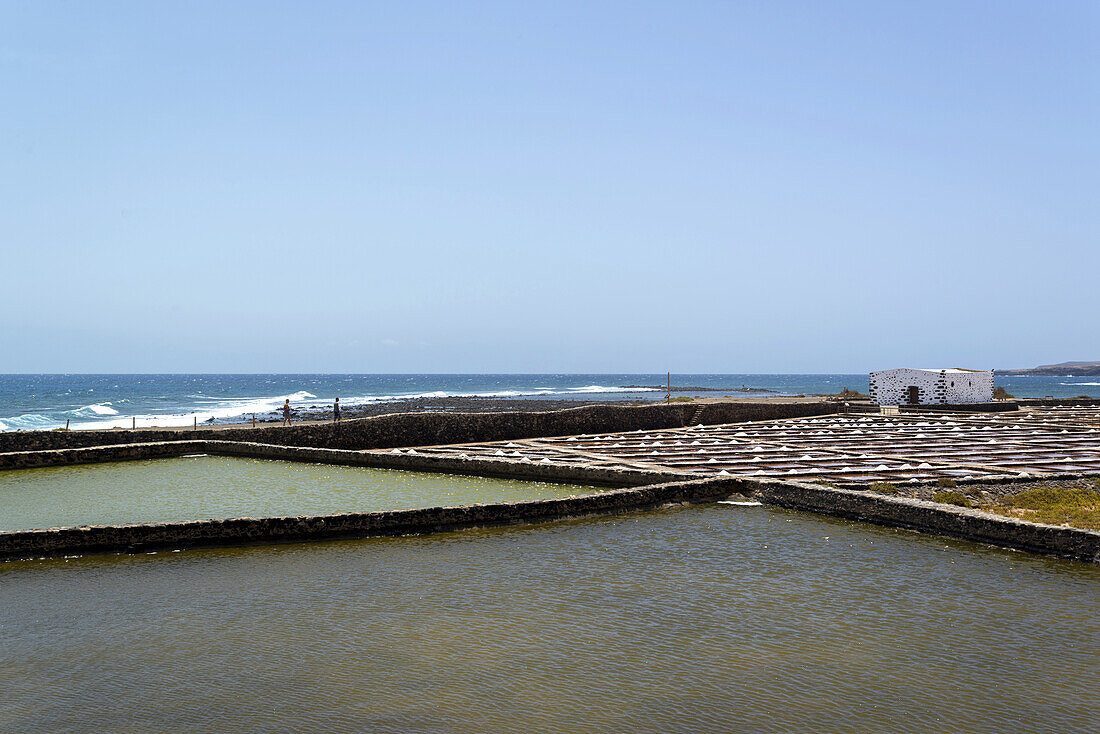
[{"x": 510, "y": 372}]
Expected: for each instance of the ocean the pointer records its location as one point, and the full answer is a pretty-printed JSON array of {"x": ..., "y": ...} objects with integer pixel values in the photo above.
[{"x": 37, "y": 402}]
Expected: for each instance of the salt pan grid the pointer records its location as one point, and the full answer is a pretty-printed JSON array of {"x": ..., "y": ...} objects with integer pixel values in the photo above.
[
  {"x": 844, "y": 449},
  {"x": 1081, "y": 416}
]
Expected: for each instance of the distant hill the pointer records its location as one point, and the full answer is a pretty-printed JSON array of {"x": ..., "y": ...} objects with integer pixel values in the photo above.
[{"x": 1079, "y": 369}]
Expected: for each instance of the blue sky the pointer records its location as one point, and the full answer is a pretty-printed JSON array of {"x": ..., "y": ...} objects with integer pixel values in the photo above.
[{"x": 571, "y": 187}]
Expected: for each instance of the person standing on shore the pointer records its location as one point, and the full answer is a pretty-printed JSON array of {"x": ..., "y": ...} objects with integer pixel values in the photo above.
[
  {"x": 336, "y": 411},
  {"x": 286, "y": 412}
]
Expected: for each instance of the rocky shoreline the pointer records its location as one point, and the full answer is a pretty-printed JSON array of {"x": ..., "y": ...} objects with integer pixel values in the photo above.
[{"x": 1065, "y": 369}]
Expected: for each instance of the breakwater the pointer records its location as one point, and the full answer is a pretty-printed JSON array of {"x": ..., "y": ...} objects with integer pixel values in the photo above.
[{"x": 423, "y": 429}]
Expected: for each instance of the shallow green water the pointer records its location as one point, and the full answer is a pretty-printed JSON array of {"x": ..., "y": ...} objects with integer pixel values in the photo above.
[
  {"x": 203, "y": 487},
  {"x": 713, "y": 618}
]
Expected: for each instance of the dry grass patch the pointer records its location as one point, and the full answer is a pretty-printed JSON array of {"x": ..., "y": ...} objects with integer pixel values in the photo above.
[
  {"x": 884, "y": 488},
  {"x": 952, "y": 497},
  {"x": 1078, "y": 507},
  {"x": 847, "y": 394}
]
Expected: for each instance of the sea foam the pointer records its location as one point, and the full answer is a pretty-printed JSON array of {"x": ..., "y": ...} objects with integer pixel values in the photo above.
[
  {"x": 96, "y": 409},
  {"x": 198, "y": 408},
  {"x": 604, "y": 388},
  {"x": 28, "y": 422}
]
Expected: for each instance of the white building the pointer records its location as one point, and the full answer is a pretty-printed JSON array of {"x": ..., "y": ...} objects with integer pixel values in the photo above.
[{"x": 907, "y": 386}]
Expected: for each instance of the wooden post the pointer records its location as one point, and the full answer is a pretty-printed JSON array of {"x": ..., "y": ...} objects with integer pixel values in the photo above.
[
  {"x": 253, "y": 420},
  {"x": 66, "y": 424},
  {"x": 133, "y": 423},
  {"x": 196, "y": 423},
  {"x": 668, "y": 390}
]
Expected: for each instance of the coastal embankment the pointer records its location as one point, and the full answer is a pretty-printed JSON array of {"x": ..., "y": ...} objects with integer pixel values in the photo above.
[{"x": 394, "y": 430}]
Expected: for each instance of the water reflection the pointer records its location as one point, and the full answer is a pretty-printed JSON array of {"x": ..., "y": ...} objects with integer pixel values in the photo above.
[
  {"x": 710, "y": 618},
  {"x": 202, "y": 487}
]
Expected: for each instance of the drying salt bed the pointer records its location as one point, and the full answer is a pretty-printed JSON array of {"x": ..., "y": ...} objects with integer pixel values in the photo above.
[
  {"x": 204, "y": 487},
  {"x": 842, "y": 449},
  {"x": 704, "y": 618}
]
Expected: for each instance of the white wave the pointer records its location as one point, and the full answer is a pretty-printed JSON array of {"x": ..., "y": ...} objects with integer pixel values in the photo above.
[
  {"x": 539, "y": 392},
  {"x": 602, "y": 388},
  {"x": 1080, "y": 383},
  {"x": 213, "y": 410},
  {"x": 29, "y": 422},
  {"x": 97, "y": 409},
  {"x": 506, "y": 394},
  {"x": 207, "y": 409}
]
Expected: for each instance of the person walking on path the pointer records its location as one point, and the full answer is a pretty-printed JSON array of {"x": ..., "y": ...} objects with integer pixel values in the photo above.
[
  {"x": 336, "y": 411},
  {"x": 286, "y": 412}
]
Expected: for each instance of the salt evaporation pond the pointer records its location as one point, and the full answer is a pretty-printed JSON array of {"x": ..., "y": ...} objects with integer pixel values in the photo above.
[
  {"x": 706, "y": 618},
  {"x": 204, "y": 487}
]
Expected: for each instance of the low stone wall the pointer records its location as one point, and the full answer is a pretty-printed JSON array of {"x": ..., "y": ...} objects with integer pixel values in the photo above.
[
  {"x": 100, "y": 454},
  {"x": 424, "y": 429},
  {"x": 242, "y": 531},
  {"x": 962, "y": 484},
  {"x": 997, "y": 407},
  {"x": 932, "y": 517},
  {"x": 473, "y": 466}
]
